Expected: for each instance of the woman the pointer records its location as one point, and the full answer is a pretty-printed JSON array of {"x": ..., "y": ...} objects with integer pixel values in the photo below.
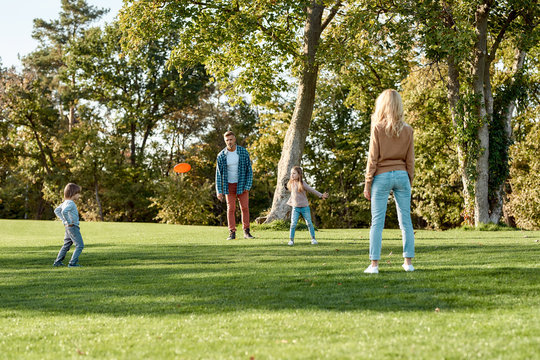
[{"x": 390, "y": 167}]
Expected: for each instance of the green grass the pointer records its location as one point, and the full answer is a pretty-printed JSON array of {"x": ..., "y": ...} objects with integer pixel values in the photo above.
[{"x": 152, "y": 291}]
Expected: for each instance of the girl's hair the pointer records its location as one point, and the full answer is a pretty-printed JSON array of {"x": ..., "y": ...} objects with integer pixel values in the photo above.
[
  {"x": 71, "y": 190},
  {"x": 389, "y": 112},
  {"x": 300, "y": 181}
]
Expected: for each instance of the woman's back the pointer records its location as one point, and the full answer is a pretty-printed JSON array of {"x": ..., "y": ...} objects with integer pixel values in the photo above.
[{"x": 390, "y": 153}]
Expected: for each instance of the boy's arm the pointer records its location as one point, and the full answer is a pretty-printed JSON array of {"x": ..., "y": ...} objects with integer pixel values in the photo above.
[
  {"x": 58, "y": 213},
  {"x": 66, "y": 214}
]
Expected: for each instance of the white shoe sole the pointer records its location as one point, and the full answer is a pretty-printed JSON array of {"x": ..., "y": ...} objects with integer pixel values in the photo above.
[
  {"x": 370, "y": 270},
  {"x": 407, "y": 268}
]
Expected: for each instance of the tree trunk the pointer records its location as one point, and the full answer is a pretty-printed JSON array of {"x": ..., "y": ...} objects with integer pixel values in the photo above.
[
  {"x": 497, "y": 206},
  {"x": 71, "y": 116},
  {"x": 481, "y": 202},
  {"x": 295, "y": 138},
  {"x": 39, "y": 144},
  {"x": 453, "y": 87},
  {"x": 98, "y": 201},
  {"x": 133, "y": 145}
]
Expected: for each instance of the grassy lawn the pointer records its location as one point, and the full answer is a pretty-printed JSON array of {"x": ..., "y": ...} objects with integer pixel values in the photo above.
[{"x": 152, "y": 291}]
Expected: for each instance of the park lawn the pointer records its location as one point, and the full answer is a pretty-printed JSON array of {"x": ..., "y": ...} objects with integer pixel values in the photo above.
[{"x": 155, "y": 291}]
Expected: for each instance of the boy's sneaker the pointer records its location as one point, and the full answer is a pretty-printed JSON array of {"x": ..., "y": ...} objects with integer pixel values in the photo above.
[
  {"x": 232, "y": 235},
  {"x": 58, "y": 264},
  {"x": 247, "y": 235},
  {"x": 372, "y": 270},
  {"x": 314, "y": 242},
  {"x": 407, "y": 267},
  {"x": 75, "y": 265},
  {"x": 291, "y": 242}
]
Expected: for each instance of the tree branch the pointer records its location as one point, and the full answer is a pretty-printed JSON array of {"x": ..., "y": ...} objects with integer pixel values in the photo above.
[
  {"x": 213, "y": 6},
  {"x": 290, "y": 50},
  {"x": 330, "y": 16},
  {"x": 511, "y": 17}
]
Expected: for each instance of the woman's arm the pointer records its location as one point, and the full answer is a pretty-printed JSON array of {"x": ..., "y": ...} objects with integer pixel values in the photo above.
[
  {"x": 409, "y": 161},
  {"x": 372, "y": 160}
]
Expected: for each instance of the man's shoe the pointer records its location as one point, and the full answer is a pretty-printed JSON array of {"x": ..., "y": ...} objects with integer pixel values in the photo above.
[
  {"x": 314, "y": 242},
  {"x": 75, "y": 265},
  {"x": 372, "y": 270},
  {"x": 291, "y": 242},
  {"x": 407, "y": 267},
  {"x": 232, "y": 235},
  {"x": 59, "y": 264},
  {"x": 247, "y": 235}
]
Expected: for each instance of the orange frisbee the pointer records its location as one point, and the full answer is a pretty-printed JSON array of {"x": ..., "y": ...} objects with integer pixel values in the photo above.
[{"x": 182, "y": 168}]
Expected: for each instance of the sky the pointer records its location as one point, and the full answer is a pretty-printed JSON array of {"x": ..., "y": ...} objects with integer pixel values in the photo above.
[{"x": 16, "y": 24}]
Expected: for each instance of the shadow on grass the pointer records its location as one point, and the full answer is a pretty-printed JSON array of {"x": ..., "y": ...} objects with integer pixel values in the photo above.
[{"x": 160, "y": 280}]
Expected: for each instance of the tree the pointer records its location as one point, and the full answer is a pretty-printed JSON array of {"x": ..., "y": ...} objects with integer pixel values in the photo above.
[
  {"x": 335, "y": 157},
  {"x": 469, "y": 36},
  {"x": 141, "y": 96},
  {"x": 28, "y": 121},
  {"x": 254, "y": 46},
  {"x": 437, "y": 190},
  {"x": 140, "y": 88},
  {"x": 54, "y": 57}
]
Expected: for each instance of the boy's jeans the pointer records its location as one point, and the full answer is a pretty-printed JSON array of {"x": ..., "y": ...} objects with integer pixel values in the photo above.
[
  {"x": 306, "y": 213},
  {"x": 73, "y": 235},
  {"x": 398, "y": 181}
]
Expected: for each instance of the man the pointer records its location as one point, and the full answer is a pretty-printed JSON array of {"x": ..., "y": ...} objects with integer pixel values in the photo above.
[{"x": 234, "y": 178}]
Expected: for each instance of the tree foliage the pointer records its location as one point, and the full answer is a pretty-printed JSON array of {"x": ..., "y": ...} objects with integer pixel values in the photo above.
[{"x": 114, "y": 108}]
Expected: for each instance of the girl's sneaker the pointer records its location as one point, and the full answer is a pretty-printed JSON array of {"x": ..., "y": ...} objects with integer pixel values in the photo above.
[
  {"x": 291, "y": 242},
  {"x": 314, "y": 242},
  {"x": 407, "y": 267},
  {"x": 372, "y": 270}
]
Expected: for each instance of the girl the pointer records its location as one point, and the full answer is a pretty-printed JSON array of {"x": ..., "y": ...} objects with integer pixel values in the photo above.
[
  {"x": 390, "y": 167},
  {"x": 298, "y": 200},
  {"x": 67, "y": 212}
]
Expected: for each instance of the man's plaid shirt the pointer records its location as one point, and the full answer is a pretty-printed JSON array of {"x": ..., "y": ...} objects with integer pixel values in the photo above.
[{"x": 245, "y": 173}]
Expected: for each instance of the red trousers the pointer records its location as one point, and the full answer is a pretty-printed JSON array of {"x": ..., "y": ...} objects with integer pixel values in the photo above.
[{"x": 231, "y": 207}]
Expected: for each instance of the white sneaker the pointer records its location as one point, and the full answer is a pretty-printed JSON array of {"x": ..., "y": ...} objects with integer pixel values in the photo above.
[
  {"x": 314, "y": 242},
  {"x": 290, "y": 243},
  {"x": 407, "y": 267},
  {"x": 372, "y": 270}
]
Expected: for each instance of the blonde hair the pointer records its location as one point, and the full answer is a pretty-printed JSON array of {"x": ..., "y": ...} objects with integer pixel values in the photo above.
[
  {"x": 389, "y": 112},
  {"x": 299, "y": 182},
  {"x": 71, "y": 190}
]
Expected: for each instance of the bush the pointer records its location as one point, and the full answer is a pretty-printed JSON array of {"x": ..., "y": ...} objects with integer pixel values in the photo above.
[
  {"x": 524, "y": 199},
  {"x": 179, "y": 200},
  {"x": 280, "y": 225}
]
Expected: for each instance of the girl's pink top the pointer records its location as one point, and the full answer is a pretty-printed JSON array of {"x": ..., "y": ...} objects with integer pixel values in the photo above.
[{"x": 299, "y": 198}]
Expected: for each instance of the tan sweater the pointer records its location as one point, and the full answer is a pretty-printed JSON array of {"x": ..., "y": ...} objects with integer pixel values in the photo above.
[
  {"x": 387, "y": 153},
  {"x": 299, "y": 198}
]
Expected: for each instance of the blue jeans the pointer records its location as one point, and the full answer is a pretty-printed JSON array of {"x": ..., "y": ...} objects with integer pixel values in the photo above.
[
  {"x": 306, "y": 213},
  {"x": 73, "y": 235},
  {"x": 398, "y": 181}
]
